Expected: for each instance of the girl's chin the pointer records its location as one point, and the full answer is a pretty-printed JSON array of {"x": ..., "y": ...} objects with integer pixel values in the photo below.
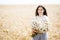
[{"x": 40, "y": 12}]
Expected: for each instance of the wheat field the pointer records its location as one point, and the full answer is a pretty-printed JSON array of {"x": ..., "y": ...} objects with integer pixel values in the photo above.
[{"x": 15, "y": 21}]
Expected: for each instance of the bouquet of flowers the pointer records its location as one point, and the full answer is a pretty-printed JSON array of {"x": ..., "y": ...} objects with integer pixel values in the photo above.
[{"x": 39, "y": 28}]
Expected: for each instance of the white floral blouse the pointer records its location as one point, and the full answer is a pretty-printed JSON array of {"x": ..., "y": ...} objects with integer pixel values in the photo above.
[{"x": 41, "y": 23}]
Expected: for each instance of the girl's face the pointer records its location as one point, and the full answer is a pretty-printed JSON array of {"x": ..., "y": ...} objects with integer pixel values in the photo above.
[{"x": 40, "y": 11}]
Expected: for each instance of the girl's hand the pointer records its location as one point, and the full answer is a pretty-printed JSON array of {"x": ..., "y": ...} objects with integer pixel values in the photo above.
[{"x": 34, "y": 30}]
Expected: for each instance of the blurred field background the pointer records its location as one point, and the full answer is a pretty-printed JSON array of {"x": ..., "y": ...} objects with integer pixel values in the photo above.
[{"x": 15, "y": 21}]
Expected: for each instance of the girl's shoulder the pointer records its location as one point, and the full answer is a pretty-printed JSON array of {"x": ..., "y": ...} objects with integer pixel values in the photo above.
[{"x": 46, "y": 17}]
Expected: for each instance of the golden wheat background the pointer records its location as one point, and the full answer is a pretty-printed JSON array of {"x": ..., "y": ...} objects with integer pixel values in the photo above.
[{"x": 15, "y": 21}]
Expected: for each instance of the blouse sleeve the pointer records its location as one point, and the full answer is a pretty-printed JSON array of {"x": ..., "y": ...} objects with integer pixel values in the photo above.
[
  {"x": 34, "y": 23},
  {"x": 47, "y": 23}
]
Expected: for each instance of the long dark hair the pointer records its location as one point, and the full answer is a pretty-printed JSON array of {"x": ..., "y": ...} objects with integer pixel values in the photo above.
[{"x": 44, "y": 13}]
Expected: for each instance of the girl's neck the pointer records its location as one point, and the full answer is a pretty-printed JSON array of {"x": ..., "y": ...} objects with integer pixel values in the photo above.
[{"x": 40, "y": 15}]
